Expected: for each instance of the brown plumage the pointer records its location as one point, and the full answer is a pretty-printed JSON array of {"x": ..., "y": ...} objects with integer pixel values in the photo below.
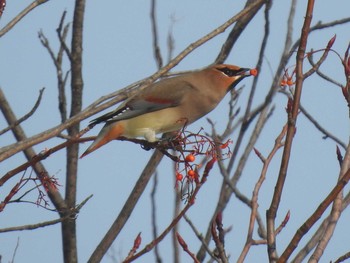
[{"x": 169, "y": 104}]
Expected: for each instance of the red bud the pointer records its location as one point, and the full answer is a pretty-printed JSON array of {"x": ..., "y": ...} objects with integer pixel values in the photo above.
[
  {"x": 137, "y": 241},
  {"x": 331, "y": 42},
  {"x": 257, "y": 152},
  {"x": 345, "y": 93},
  {"x": 346, "y": 55},
  {"x": 181, "y": 241},
  {"x": 208, "y": 167},
  {"x": 286, "y": 219},
  {"x": 218, "y": 218},
  {"x": 339, "y": 155},
  {"x": 2, "y": 6}
]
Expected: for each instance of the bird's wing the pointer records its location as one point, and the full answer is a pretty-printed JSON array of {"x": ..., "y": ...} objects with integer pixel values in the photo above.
[{"x": 163, "y": 94}]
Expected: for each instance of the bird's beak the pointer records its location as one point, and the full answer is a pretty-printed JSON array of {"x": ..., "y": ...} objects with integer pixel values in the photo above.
[{"x": 245, "y": 72}]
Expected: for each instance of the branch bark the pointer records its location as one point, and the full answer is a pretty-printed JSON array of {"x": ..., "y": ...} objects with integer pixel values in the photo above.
[
  {"x": 292, "y": 119},
  {"x": 21, "y": 15},
  {"x": 69, "y": 238},
  {"x": 29, "y": 153},
  {"x": 127, "y": 209}
]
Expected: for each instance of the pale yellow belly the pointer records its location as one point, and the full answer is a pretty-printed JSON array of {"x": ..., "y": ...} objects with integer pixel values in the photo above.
[{"x": 162, "y": 121}]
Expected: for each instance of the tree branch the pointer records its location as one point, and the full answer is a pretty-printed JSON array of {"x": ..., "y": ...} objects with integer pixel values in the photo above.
[
  {"x": 292, "y": 118},
  {"x": 127, "y": 209},
  {"x": 3, "y": 103},
  {"x": 21, "y": 15}
]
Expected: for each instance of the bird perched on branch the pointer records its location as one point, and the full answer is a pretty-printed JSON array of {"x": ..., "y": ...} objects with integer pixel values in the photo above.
[{"x": 169, "y": 104}]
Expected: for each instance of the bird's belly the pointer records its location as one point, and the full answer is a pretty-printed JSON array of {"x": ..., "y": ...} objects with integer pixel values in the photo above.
[{"x": 162, "y": 121}]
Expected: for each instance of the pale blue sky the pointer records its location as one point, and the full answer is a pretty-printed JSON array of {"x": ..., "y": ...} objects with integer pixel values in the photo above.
[{"x": 117, "y": 52}]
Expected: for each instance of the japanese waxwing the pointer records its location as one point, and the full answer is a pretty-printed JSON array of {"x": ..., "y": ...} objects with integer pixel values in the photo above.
[{"x": 169, "y": 104}]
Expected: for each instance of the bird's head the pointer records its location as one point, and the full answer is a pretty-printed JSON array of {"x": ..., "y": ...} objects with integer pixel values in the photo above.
[{"x": 231, "y": 75}]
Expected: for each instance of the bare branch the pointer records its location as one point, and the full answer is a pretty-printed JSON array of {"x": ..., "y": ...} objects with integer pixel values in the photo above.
[
  {"x": 29, "y": 152},
  {"x": 62, "y": 80},
  {"x": 156, "y": 49},
  {"x": 189, "y": 204},
  {"x": 15, "y": 251},
  {"x": 127, "y": 209},
  {"x": 312, "y": 242},
  {"x": 46, "y": 223},
  {"x": 237, "y": 30},
  {"x": 321, "y": 74},
  {"x": 292, "y": 118},
  {"x": 154, "y": 216},
  {"x": 314, "y": 217},
  {"x": 69, "y": 238},
  {"x": 22, "y": 14},
  {"x": 184, "y": 246},
  {"x": 318, "y": 126},
  {"x": 254, "y": 201},
  {"x": 199, "y": 236},
  {"x": 343, "y": 258},
  {"x": 62, "y": 32},
  {"x": 25, "y": 117},
  {"x": 335, "y": 213}
]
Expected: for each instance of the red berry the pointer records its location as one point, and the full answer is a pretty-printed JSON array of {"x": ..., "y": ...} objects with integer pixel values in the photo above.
[
  {"x": 190, "y": 158},
  {"x": 253, "y": 72},
  {"x": 191, "y": 174},
  {"x": 179, "y": 176},
  {"x": 290, "y": 82},
  {"x": 283, "y": 83}
]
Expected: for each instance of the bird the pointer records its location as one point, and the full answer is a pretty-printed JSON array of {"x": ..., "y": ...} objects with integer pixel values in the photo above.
[{"x": 168, "y": 105}]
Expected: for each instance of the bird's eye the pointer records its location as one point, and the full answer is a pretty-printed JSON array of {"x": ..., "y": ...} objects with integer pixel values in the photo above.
[{"x": 230, "y": 72}]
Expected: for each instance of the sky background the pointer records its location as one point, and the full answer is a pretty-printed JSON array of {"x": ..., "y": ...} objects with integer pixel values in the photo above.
[{"x": 117, "y": 52}]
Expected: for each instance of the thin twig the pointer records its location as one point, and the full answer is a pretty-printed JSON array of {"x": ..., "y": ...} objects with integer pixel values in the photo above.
[
  {"x": 254, "y": 201},
  {"x": 199, "y": 236},
  {"x": 321, "y": 74},
  {"x": 62, "y": 80},
  {"x": 154, "y": 215},
  {"x": 334, "y": 215},
  {"x": 26, "y": 116},
  {"x": 127, "y": 209},
  {"x": 22, "y": 14},
  {"x": 247, "y": 118},
  {"x": 62, "y": 37},
  {"x": 292, "y": 118},
  {"x": 237, "y": 30},
  {"x": 15, "y": 251},
  {"x": 184, "y": 246},
  {"x": 343, "y": 258},
  {"x": 189, "y": 204},
  {"x": 312, "y": 242},
  {"x": 176, "y": 211},
  {"x": 318, "y": 126},
  {"x": 46, "y": 223},
  {"x": 156, "y": 49},
  {"x": 314, "y": 217},
  {"x": 219, "y": 237},
  {"x": 229, "y": 186},
  {"x": 29, "y": 153}
]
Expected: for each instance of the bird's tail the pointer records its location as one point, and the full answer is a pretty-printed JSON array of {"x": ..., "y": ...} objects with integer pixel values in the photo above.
[{"x": 108, "y": 133}]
